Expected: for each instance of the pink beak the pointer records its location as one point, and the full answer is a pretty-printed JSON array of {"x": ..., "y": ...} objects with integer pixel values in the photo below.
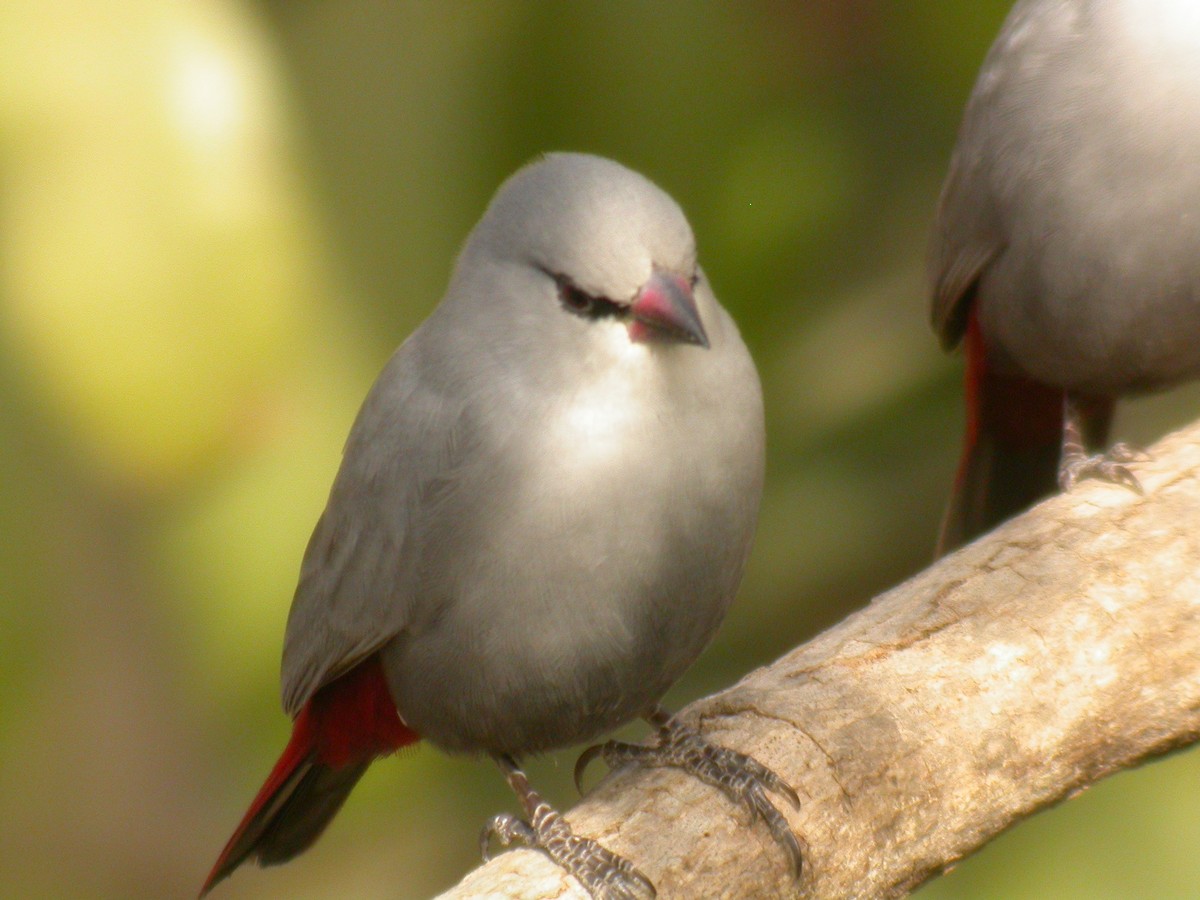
[{"x": 665, "y": 310}]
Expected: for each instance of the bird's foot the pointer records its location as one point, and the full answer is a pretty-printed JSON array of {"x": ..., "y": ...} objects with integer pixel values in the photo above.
[
  {"x": 1076, "y": 465},
  {"x": 602, "y": 873},
  {"x": 743, "y": 779},
  {"x": 1112, "y": 467}
]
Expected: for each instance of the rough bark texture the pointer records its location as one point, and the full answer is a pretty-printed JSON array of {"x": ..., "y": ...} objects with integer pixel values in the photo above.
[{"x": 1061, "y": 648}]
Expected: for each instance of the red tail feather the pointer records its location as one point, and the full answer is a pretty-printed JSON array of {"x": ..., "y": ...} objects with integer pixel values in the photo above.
[
  {"x": 347, "y": 724},
  {"x": 1012, "y": 446}
]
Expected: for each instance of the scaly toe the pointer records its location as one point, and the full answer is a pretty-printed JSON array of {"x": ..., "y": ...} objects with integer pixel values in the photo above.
[
  {"x": 742, "y": 779},
  {"x": 602, "y": 873},
  {"x": 745, "y": 781},
  {"x": 1126, "y": 453},
  {"x": 1098, "y": 468}
]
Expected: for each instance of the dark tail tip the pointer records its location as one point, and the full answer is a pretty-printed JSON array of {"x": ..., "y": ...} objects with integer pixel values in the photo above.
[
  {"x": 346, "y": 724},
  {"x": 288, "y": 819}
]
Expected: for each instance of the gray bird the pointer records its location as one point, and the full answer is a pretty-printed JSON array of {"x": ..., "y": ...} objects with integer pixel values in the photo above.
[
  {"x": 542, "y": 514},
  {"x": 1066, "y": 253}
]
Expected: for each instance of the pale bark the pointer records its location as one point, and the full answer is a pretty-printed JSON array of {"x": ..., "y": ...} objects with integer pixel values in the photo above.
[{"x": 1061, "y": 648}]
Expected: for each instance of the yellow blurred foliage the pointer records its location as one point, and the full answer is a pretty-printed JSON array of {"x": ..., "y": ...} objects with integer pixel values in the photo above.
[{"x": 149, "y": 226}]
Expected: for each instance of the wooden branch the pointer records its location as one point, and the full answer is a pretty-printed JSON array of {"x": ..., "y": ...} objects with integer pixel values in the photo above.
[{"x": 1061, "y": 648}]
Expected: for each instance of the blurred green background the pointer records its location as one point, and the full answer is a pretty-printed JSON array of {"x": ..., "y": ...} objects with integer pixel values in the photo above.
[{"x": 219, "y": 217}]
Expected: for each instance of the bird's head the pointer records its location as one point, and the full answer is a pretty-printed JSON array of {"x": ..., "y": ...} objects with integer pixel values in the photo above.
[{"x": 576, "y": 245}]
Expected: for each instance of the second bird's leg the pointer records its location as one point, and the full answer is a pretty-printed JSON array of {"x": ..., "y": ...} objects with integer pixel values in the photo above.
[
  {"x": 605, "y": 875},
  {"x": 1076, "y": 464},
  {"x": 743, "y": 779}
]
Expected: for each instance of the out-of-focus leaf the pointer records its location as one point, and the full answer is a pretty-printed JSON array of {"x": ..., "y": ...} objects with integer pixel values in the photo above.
[{"x": 156, "y": 262}]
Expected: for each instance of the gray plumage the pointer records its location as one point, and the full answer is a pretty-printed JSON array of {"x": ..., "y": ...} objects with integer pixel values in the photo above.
[
  {"x": 538, "y": 521},
  {"x": 1071, "y": 214}
]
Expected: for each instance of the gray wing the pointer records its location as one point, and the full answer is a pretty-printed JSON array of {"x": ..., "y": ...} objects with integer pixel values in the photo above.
[
  {"x": 968, "y": 231},
  {"x": 965, "y": 240},
  {"x": 971, "y": 226},
  {"x": 359, "y": 579}
]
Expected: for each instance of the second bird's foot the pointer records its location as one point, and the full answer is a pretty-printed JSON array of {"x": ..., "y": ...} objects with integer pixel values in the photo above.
[
  {"x": 743, "y": 779},
  {"x": 1111, "y": 467}
]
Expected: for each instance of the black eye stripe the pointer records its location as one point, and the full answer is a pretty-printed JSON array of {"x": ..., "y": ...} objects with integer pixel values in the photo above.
[{"x": 576, "y": 300}]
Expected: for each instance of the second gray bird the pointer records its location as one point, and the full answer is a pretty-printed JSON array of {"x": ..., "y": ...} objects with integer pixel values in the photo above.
[{"x": 1066, "y": 254}]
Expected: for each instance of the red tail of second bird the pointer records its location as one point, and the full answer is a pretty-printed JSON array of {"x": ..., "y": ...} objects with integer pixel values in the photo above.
[
  {"x": 1012, "y": 447},
  {"x": 346, "y": 725}
]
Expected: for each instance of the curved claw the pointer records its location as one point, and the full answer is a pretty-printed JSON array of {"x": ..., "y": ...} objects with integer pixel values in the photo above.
[
  {"x": 1123, "y": 476},
  {"x": 506, "y": 828},
  {"x": 1126, "y": 453},
  {"x": 790, "y": 793},
  {"x": 741, "y": 777},
  {"x": 1101, "y": 468},
  {"x": 585, "y": 760},
  {"x": 754, "y": 800},
  {"x": 763, "y": 776},
  {"x": 777, "y": 785}
]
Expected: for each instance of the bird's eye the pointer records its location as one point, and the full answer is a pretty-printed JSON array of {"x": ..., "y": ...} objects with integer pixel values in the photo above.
[
  {"x": 579, "y": 302},
  {"x": 574, "y": 298},
  {"x": 694, "y": 280}
]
